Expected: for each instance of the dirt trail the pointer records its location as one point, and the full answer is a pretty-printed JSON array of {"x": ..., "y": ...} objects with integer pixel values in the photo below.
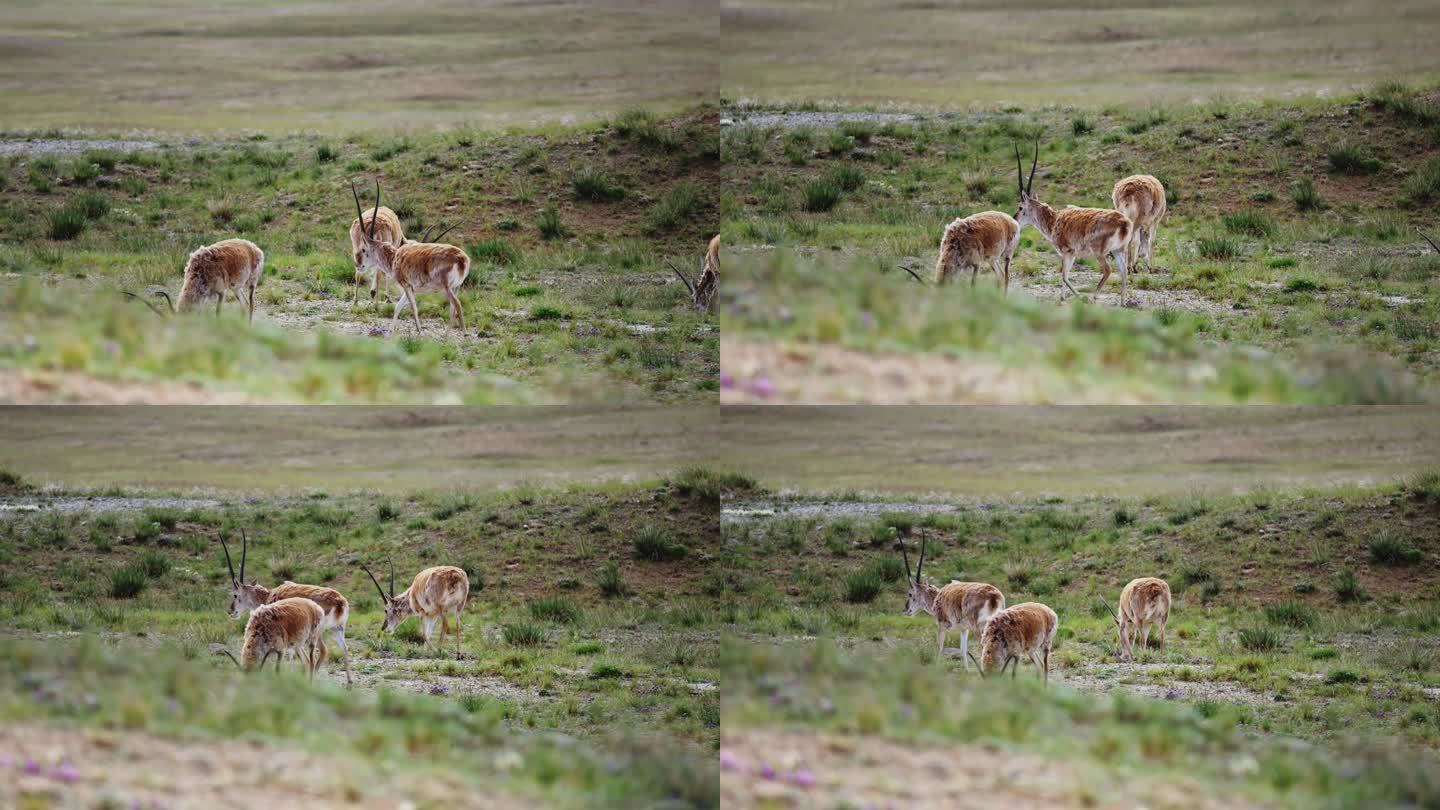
[
  {"x": 61, "y": 146},
  {"x": 80, "y": 768},
  {"x": 816, "y": 770}
]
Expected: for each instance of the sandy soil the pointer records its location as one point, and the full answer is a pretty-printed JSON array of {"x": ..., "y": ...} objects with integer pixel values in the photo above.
[
  {"x": 767, "y": 768},
  {"x": 42, "y": 766},
  {"x": 32, "y": 387}
]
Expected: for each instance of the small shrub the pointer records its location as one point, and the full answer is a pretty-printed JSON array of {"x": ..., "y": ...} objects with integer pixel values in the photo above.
[
  {"x": 66, "y": 223},
  {"x": 1123, "y": 517},
  {"x": 1347, "y": 587},
  {"x": 847, "y": 178},
  {"x": 1080, "y": 125},
  {"x": 523, "y": 634},
  {"x": 1250, "y": 222},
  {"x": 1424, "y": 486},
  {"x": 1218, "y": 248},
  {"x": 862, "y": 586},
  {"x": 605, "y": 669},
  {"x": 1342, "y": 676},
  {"x": 1347, "y": 158},
  {"x": 1304, "y": 195},
  {"x": 154, "y": 564},
  {"x": 674, "y": 208},
  {"x": 92, "y": 204},
  {"x": 656, "y": 544},
  {"x": 610, "y": 582},
  {"x": 1196, "y": 573},
  {"x": 1259, "y": 639},
  {"x": 84, "y": 171},
  {"x": 325, "y": 153},
  {"x": 127, "y": 581},
  {"x": 596, "y": 185},
  {"x": 1391, "y": 549},
  {"x": 1020, "y": 571},
  {"x": 386, "y": 511},
  {"x": 1422, "y": 187},
  {"x": 1296, "y": 284},
  {"x": 1291, "y": 614},
  {"x": 494, "y": 251},
  {"x": 549, "y": 224},
  {"x": 821, "y": 195},
  {"x": 889, "y": 569},
  {"x": 555, "y": 609}
]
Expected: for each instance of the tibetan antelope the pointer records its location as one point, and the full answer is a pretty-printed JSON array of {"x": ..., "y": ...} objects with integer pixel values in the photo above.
[
  {"x": 989, "y": 237},
  {"x": 1141, "y": 198},
  {"x": 231, "y": 265},
  {"x": 1075, "y": 232},
  {"x": 1026, "y": 629},
  {"x": 1144, "y": 603},
  {"x": 435, "y": 593},
  {"x": 702, "y": 292},
  {"x": 247, "y": 597},
  {"x": 387, "y": 227},
  {"x": 966, "y": 605},
  {"x": 415, "y": 266},
  {"x": 279, "y": 627}
]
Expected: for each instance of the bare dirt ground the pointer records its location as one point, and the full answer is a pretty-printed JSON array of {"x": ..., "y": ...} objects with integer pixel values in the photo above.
[
  {"x": 49, "y": 767},
  {"x": 105, "y": 504},
  {"x": 771, "y": 768},
  {"x": 55, "y": 146},
  {"x": 34, "y": 387}
]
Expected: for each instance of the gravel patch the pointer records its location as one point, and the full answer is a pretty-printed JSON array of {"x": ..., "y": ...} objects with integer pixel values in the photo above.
[
  {"x": 99, "y": 504},
  {"x": 797, "y": 120},
  {"x": 761, "y": 510},
  {"x": 52, "y": 146}
]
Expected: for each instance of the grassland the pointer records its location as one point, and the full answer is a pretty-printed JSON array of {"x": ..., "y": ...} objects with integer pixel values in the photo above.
[
  {"x": 342, "y": 68},
  {"x": 568, "y": 297},
  {"x": 1291, "y": 267},
  {"x": 1300, "y": 669},
  {"x": 588, "y": 674},
  {"x": 886, "y": 53}
]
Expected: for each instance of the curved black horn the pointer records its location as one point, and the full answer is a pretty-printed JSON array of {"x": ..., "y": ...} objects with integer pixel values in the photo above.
[
  {"x": 228, "y": 564},
  {"x": 227, "y": 654},
  {"x": 921, "y": 564},
  {"x": 686, "y": 281},
  {"x": 1112, "y": 610},
  {"x": 447, "y": 230},
  {"x": 366, "y": 568},
  {"x": 168, "y": 300},
  {"x": 376, "y": 215},
  {"x": 1030, "y": 183},
  {"x": 905, "y": 556},
  {"x": 1019, "y": 170},
  {"x": 359, "y": 215},
  {"x": 152, "y": 307},
  {"x": 244, "y": 552},
  {"x": 912, "y": 273},
  {"x": 977, "y": 665},
  {"x": 1431, "y": 241},
  {"x": 426, "y": 236},
  {"x": 392, "y": 579}
]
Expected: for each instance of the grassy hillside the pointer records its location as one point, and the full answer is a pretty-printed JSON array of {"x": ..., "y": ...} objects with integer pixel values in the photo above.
[
  {"x": 568, "y": 231},
  {"x": 890, "y": 52},
  {"x": 364, "y": 66},
  {"x": 587, "y": 620},
  {"x": 1300, "y": 614},
  {"x": 1293, "y": 232}
]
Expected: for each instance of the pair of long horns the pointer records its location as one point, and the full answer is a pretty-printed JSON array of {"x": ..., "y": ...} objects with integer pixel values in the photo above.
[
  {"x": 920, "y": 565},
  {"x": 375, "y": 213},
  {"x": 981, "y": 669},
  {"x": 377, "y": 582},
  {"x": 244, "y": 552},
  {"x": 1026, "y": 184},
  {"x": 159, "y": 293}
]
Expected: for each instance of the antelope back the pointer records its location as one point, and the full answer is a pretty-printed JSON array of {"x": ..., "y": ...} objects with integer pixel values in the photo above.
[
  {"x": 431, "y": 265},
  {"x": 968, "y": 604},
  {"x": 1146, "y": 598},
  {"x": 1141, "y": 198},
  {"x": 335, "y": 606},
  {"x": 225, "y": 265},
  {"x": 438, "y": 589},
  {"x": 1090, "y": 231}
]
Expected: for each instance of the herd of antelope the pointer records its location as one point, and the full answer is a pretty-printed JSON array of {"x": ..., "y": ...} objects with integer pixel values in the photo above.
[
  {"x": 292, "y": 617},
  {"x": 380, "y": 248},
  {"x": 1028, "y": 629},
  {"x": 1122, "y": 235}
]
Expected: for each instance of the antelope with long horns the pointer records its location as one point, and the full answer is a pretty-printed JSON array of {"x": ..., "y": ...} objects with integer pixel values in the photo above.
[
  {"x": 1141, "y": 198},
  {"x": 1144, "y": 603},
  {"x": 436, "y": 593},
  {"x": 387, "y": 227},
  {"x": 988, "y": 237},
  {"x": 279, "y": 627},
  {"x": 415, "y": 266},
  {"x": 702, "y": 292},
  {"x": 966, "y": 605},
  {"x": 1027, "y": 629},
  {"x": 231, "y": 265},
  {"x": 1075, "y": 232},
  {"x": 247, "y": 597}
]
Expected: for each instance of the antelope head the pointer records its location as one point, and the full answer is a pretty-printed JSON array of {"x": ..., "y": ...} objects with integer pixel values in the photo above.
[
  {"x": 1028, "y": 203},
  {"x": 916, "y": 599},
  {"x": 243, "y": 598},
  {"x": 374, "y": 254},
  {"x": 396, "y": 609}
]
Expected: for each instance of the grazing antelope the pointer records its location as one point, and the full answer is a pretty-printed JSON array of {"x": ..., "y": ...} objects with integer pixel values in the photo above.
[
  {"x": 989, "y": 237},
  {"x": 231, "y": 265},
  {"x": 1026, "y": 629},
  {"x": 1144, "y": 603},
  {"x": 415, "y": 266},
  {"x": 702, "y": 292},
  {"x": 435, "y": 593},
  {"x": 245, "y": 598},
  {"x": 1141, "y": 198},
  {"x": 280, "y": 627},
  {"x": 1075, "y": 232},
  {"x": 966, "y": 605},
  {"x": 387, "y": 227}
]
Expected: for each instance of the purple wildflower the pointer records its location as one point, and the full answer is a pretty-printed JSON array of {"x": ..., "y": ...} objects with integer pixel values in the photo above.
[
  {"x": 1174, "y": 694},
  {"x": 728, "y": 760},
  {"x": 66, "y": 773},
  {"x": 762, "y": 387},
  {"x": 767, "y": 772},
  {"x": 31, "y": 766},
  {"x": 803, "y": 777},
  {"x": 439, "y": 689},
  {"x": 726, "y": 381}
]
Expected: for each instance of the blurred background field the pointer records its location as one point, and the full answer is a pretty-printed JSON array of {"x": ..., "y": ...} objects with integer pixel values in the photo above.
[
  {"x": 954, "y": 55},
  {"x": 337, "y": 67}
]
